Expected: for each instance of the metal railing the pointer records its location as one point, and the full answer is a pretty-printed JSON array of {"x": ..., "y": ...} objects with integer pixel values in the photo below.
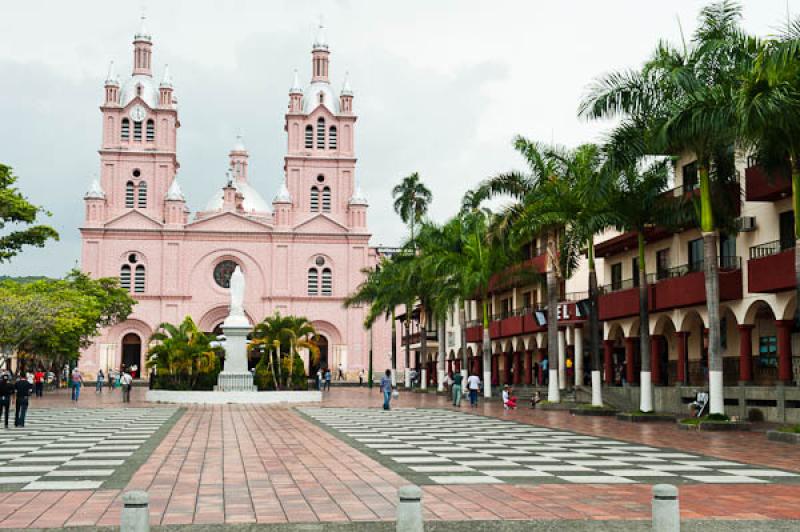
[{"x": 765, "y": 250}]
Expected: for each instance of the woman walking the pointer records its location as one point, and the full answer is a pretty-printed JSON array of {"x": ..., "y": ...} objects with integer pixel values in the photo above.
[{"x": 386, "y": 388}]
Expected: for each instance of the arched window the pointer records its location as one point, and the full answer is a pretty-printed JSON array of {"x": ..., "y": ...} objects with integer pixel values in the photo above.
[
  {"x": 313, "y": 282},
  {"x": 138, "y": 279},
  {"x": 151, "y": 131},
  {"x": 332, "y": 138},
  {"x": 126, "y": 129},
  {"x": 309, "y": 136},
  {"x": 327, "y": 282},
  {"x": 137, "y": 131},
  {"x": 326, "y": 199},
  {"x": 129, "y": 195},
  {"x": 321, "y": 133},
  {"x": 125, "y": 277},
  {"x": 314, "y": 199},
  {"x": 142, "y": 195}
]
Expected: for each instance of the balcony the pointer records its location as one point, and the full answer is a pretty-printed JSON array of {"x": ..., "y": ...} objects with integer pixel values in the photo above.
[
  {"x": 761, "y": 186},
  {"x": 513, "y": 275},
  {"x": 415, "y": 337},
  {"x": 681, "y": 286},
  {"x": 771, "y": 268}
]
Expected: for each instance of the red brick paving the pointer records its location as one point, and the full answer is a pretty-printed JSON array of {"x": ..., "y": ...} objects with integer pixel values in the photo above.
[{"x": 256, "y": 464}]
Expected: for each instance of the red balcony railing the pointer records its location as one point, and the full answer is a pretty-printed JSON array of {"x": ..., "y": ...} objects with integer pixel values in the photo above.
[
  {"x": 415, "y": 337},
  {"x": 771, "y": 268},
  {"x": 761, "y": 186}
]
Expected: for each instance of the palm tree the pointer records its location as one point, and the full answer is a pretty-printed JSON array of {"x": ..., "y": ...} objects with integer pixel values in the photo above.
[
  {"x": 383, "y": 289},
  {"x": 183, "y": 352},
  {"x": 529, "y": 217},
  {"x": 283, "y": 336},
  {"x": 687, "y": 99},
  {"x": 769, "y": 108},
  {"x": 638, "y": 204},
  {"x": 411, "y": 200}
]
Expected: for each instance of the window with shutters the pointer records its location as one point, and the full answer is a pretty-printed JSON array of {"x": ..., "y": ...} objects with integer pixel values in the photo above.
[
  {"x": 326, "y": 199},
  {"x": 129, "y": 195},
  {"x": 137, "y": 131},
  {"x": 125, "y": 277},
  {"x": 327, "y": 282},
  {"x": 332, "y": 138},
  {"x": 321, "y": 133},
  {"x": 309, "y": 136},
  {"x": 142, "y": 195},
  {"x": 313, "y": 282},
  {"x": 151, "y": 131},
  {"x": 139, "y": 279},
  {"x": 126, "y": 129},
  {"x": 314, "y": 199}
]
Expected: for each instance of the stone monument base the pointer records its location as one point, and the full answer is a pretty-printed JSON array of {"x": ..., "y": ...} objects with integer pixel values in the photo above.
[
  {"x": 235, "y": 382},
  {"x": 219, "y": 398}
]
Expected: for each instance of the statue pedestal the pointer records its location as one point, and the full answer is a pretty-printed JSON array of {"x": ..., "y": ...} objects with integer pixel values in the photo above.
[{"x": 236, "y": 377}]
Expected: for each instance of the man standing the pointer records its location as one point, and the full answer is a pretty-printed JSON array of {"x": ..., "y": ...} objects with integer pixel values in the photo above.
[
  {"x": 386, "y": 388},
  {"x": 340, "y": 376},
  {"x": 127, "y": 383},
  {"x": 457, "y": 379},
  {"x": 6, "y": 389},
  {"x": 474, "y": 386},
  {"x": 38, "y": 382},
  {"x": 23, "y": 390},
  {"x": 100, "y": 380},
  {"x": 77, "y": 381}
]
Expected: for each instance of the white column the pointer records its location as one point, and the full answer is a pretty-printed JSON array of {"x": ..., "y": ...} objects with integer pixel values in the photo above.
[
  {"x": 578, "y": 334},
  {"x": 440, "y": 363},
  {"x": 562, "y": 368},
  {"x": 423, "y": 383}
]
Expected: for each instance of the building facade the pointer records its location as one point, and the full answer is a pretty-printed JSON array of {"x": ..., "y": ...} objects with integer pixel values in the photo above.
[{"x": 301, "y": 254}]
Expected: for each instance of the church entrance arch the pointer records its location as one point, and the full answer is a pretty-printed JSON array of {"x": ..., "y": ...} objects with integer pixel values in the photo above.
[
  {"x": 132, "y": 351},
  {"x": 322, "y": 362}
]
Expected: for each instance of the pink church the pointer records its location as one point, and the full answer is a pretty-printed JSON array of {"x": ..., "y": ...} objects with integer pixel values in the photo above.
[{"x": 302, "y": 254}]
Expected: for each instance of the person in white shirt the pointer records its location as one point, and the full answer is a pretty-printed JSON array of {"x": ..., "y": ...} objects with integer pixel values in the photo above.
[
  {"x": 474, "y": 386},
  {"x": 127, "y": 383}
]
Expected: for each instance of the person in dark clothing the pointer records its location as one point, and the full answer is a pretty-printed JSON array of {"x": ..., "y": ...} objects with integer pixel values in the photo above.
[
  {"x": 6, "y": 389},
  {"x": 23, "y": 390}
]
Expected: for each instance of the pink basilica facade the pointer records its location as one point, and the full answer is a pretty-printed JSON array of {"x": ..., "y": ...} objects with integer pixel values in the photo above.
[{"x": 301, "y": 254}]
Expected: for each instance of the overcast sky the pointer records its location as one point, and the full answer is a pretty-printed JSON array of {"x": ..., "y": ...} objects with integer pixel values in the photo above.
[{"x": 441, "y": 87}]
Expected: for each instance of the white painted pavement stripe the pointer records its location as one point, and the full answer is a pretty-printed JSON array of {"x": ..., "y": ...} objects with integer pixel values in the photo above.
[
  {"x": 719, "y": 479},
  {"x": 515, "y": 473},
  {"x": 759, "y": 472},
  {"x": 441, "y": 469},
  {"x": 596, "y": 479},
  {"x": 27, "y": 469},
  {"x": 63, "y": 485},
  {"x": 92, "y": 463},
  {"x": 78, "y": 473},
  {"x": 17, "y": 480},
  {"x": 637, "y": 473},
  {"x": 466, "y": 479}
]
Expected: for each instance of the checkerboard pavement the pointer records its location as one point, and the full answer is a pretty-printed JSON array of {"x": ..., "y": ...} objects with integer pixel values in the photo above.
[
  {"x": 430, "y": 446},
  {"x": 77, "y": 448}
]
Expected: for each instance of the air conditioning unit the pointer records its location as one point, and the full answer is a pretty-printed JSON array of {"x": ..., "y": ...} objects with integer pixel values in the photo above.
[{"x": 746, "y": 223}]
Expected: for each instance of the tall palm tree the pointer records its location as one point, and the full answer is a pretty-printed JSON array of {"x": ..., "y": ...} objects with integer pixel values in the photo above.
[
  {"x": 411, "y": 200},
  {"x": 182, "y": 352},
  {"x": 638, "y": 204},
  {"x": 769, "y": 108},
  {"x": 687, "y": 98},
  {"x": 283, "y": 336},
  {"x": 581, "y": 198},
  {"x": 383, "y": 289},
  {"x": 530, "y": 217}
]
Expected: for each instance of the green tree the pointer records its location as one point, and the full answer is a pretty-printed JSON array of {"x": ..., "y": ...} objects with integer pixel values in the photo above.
[
  {"x": 277, "y": 340},
  {"x": 16, "y": 210},
  {"x": 769, "y": 108},
  {"x": 181, "y": 355},
  {"x": 411, "y": 201},
  {"x": 687, "y": 98}
]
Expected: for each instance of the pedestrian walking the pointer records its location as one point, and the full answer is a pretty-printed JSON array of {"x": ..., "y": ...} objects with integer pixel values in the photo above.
[
  {"x": 319, "y": 379},
  {"x": 38, "y": 382},
  {"x": 474, "y": 386},
  {"x": 361, "y": 377},
  {"x": 386, "y": 388},
  {"x": 77, "y": 381},
  {"x": 340, "y": 376},
  {"x": 23, "y": 389},
  {"x": 327, "y": 379},
  {"x": 101, "y": 378},
  {"x": 6, "y": 389},
  {"x": 457, "y": 380},
  {"x": 127, "y": 384}
]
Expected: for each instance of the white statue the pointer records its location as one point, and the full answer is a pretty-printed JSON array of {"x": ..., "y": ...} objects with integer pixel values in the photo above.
[{"x": 237, "y": 294}]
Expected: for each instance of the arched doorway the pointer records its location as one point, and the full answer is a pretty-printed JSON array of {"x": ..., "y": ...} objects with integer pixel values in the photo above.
[
  {"x": 132, "y": 351},
  {"x": 322, "y": 362}
]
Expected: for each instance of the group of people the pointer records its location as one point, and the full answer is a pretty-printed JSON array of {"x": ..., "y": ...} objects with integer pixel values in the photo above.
[
  {"x": 21, "y": 390},
  {"x": 116, "y": 379}
]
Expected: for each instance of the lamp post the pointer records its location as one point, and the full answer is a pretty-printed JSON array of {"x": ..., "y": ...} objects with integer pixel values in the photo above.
[{"x": 369, "y": 377}]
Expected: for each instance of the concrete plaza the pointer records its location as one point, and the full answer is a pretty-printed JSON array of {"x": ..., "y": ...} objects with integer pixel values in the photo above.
[{"x": 271, "y": 464}]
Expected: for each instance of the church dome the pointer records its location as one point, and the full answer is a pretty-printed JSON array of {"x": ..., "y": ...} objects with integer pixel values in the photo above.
[
  {"x": 311, "y": 97},
  {"x": 253, "y": 201},
  {"x": 149, "y": 90}
]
